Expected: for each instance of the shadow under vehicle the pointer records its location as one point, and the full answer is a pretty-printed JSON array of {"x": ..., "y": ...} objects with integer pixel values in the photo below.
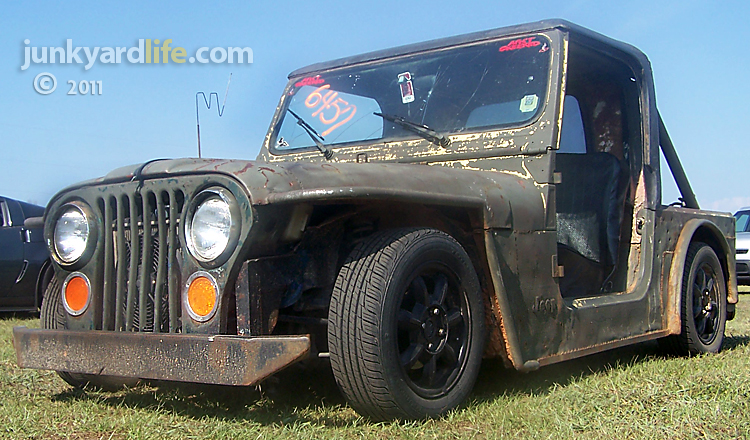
[
  {"x": 25, "y": 268},
  {"x": 411, "y": 211}
]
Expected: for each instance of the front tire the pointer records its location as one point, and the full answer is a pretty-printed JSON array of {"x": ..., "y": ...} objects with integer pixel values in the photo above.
[
  {"x": 52, "y": 316},
  {"x": 406, "y": 325}
]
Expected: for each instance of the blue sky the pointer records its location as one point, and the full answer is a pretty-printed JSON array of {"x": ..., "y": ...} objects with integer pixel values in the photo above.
[{"x": 698, "y": 50}]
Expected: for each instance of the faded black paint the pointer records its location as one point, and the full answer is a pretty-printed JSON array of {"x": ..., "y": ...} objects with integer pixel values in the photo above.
[{"x": 493, "y": 191}]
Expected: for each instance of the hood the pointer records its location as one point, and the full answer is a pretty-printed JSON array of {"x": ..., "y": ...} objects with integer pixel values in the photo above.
[{"x": 506, "y": 198}]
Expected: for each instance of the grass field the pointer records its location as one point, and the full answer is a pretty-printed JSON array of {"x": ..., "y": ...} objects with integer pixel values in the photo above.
[{"x": 636, "y": 392}]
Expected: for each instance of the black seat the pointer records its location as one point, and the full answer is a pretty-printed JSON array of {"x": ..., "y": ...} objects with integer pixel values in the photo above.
[{"x": 588, "y": 211}]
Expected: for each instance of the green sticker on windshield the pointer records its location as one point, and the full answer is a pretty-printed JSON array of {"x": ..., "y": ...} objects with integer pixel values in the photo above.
[{"x": 529, "y": 103}]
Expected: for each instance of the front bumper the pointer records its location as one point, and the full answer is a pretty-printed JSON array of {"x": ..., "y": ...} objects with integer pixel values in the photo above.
[{"x": 217, "y": 359}]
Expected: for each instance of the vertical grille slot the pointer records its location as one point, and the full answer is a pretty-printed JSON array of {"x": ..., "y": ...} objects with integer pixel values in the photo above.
[
  {"x": 108, "y": 303},
  {"x": 122, "y": 271},
  {"x": 173, "y": 274},
  {"x": 134, "y": 245},
  {"x": 145, "y": 277},
  {"x": 140, "y": 278},
  {"x": 161, "y": 265}
]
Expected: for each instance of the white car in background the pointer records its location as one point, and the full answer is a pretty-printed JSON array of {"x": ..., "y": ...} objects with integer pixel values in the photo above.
[{"x": 742, "y": 244}]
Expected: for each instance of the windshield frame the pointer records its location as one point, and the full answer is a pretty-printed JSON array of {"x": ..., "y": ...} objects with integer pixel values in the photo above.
[{"x": 551, "y": 37}]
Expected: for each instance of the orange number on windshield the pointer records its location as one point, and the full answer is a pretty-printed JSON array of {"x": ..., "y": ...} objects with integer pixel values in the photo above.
[{"x": 330, "y": 108}]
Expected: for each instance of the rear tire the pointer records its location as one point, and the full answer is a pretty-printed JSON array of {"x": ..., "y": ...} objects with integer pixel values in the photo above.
[
  {"x": 703, "y": 308},
  {"x": 53, "y": 316},
  {"x": 406, "y": 325}
]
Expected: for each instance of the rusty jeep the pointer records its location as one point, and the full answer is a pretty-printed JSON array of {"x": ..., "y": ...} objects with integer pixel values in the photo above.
[{"x": 411, "y": 212}]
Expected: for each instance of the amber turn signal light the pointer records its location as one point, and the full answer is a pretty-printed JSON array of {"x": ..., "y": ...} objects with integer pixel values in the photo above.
[
  {"x": 202, "y": 296},
  {"x": 76, "y": 293}
]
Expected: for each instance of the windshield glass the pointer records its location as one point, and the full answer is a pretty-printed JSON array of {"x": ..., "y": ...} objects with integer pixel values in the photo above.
[
  {"x": 741, "y": 221},
  {"x": 461, "y": 89}
]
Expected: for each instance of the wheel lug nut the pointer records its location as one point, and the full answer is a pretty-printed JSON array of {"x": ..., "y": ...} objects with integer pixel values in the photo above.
[
  {"x": 441, "y": 332},
  {"x": 435, "y": 311}
]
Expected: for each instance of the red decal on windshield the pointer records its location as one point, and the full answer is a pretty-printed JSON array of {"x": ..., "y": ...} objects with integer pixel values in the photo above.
[
  {"x": 310, "y": 81},
  {"x": 521, "y": 43}
]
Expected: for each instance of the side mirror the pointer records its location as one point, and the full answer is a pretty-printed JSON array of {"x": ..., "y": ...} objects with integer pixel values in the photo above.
[
  {"x": 32, "y": 230},
  {"x": 34, "y": 223}
]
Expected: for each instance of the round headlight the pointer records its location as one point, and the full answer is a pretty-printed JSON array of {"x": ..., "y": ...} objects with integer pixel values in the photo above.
[
  {"x": 71, "y": 234},
  {"x": 208, "y": 231}
]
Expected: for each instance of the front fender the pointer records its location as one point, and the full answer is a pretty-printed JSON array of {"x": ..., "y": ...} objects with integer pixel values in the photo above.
[{"x": 506, "y": 199}]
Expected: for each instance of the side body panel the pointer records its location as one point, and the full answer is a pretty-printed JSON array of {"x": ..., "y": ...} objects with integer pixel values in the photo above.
[
  {"x": 11, "y": 257},
  {"x": 540, "y": 325},
  {"x": 23, "y": 257},
  {"x": 35, "y": 256}
]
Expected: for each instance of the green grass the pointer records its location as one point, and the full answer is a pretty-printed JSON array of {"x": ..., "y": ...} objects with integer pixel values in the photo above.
[{"x": 635, "y": 392}]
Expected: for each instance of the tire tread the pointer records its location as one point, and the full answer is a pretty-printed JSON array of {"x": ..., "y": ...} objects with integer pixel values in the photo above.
[{"x": 354, "y": 322}]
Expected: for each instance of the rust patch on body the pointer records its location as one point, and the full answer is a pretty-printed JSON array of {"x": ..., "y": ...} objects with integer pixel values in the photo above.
[{"x": 497, "y": 341}]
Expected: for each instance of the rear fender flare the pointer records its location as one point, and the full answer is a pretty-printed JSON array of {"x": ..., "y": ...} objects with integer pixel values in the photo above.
[{"x": 674, "y": 285}]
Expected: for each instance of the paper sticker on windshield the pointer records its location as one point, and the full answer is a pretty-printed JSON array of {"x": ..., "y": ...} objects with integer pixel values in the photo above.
[
  {"x": 407, "y": 91},
  {"x": 529, "y": 103}
]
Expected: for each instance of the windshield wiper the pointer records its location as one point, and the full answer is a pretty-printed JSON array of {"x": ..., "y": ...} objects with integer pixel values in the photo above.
[
  {"x": 328, "y": 154},
  {"x": 422, "y": 130}
]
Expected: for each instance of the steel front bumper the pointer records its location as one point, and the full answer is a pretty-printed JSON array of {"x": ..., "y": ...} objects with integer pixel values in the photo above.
[{"x": 219, "y": 359}]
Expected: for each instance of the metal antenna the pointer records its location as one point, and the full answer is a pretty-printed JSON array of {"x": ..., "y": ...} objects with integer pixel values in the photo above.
[{"x": 208, "y": 102}]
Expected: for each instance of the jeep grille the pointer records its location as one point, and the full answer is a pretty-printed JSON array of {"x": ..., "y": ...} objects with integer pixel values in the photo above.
[{"x": 141, "y": 278}]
